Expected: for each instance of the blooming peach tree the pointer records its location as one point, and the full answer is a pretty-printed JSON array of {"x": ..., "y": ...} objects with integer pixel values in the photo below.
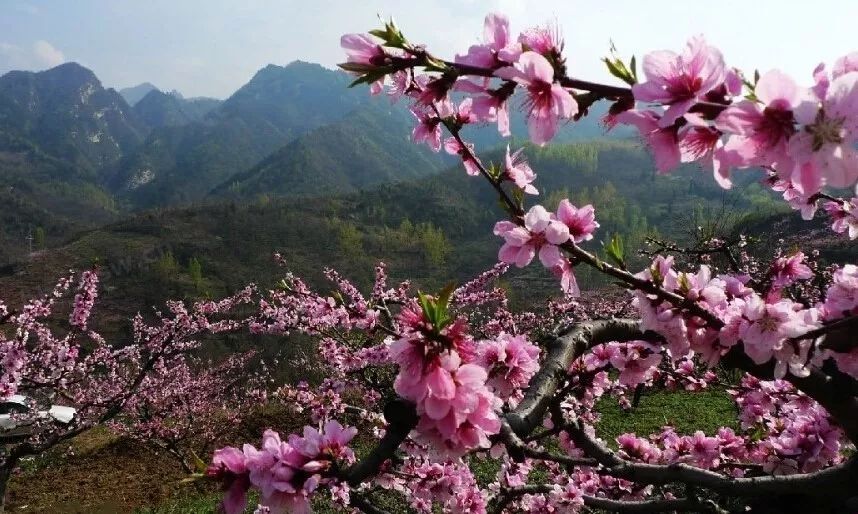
[
  {"x": 185, "y": 407},
  {"x": 436, "y": 384},
  {"x": 53, "y": 360}
]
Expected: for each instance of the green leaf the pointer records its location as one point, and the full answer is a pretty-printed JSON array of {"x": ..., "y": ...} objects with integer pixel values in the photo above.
[
  {"x": 193, "y": 478},
  {"x": 518, "y": 196},
  {"x": 423, "y": 300},
  {"x": 356, "y": 67},
  {"x": 612, "y": 67},
  {"x": 446, "y": 293},
  {"x": 617, "y": 68},
  {"x": 371, "y": 76},
  {"x": 199, "y": 464},
  {"x": 615, "y": 251}
]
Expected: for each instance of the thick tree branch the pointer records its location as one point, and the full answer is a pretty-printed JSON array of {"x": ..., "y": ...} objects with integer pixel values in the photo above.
[
  {"x": 836, "y": 482},
  {"x": 655, "y": 505},
  {"x": 837, "y": 334},
  {"x": 401, "y": 417},
  {"x": 562, "y": 351}
]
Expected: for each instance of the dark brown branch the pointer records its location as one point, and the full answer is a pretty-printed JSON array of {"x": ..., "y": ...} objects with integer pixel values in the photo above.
[
  {"x": 562, "y": 351},
  {"x": 838, "y": 336},
  {"x": 655, "y": 505},
  {"x": 834, "y": 482},
  {"x": 401, "y": 417},
  {"x": 659, "y": 505},
  {"x": 647, "y": 286},
  {"x": 723, "y": 249},
  {"x": 514, "y": 444}
]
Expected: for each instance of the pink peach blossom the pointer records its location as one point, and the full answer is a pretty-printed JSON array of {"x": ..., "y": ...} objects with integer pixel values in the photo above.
[
  {"x": 678, "y": 81},
  {"x": 548, "y": 102}
]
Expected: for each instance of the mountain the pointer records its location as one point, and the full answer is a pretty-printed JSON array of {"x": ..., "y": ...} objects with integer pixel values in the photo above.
[
  {"x": 44, "y": 200},
  {"x": 76, "y": 155},
  {"x": 158, "y": 109},
  {"x": 134, "y": 94},
  {"x": 370, "y": 146},
  {"x": 432, "y": 229},
  {"x": 67, "y": 114},
  {"x": 182, "y": 164}
]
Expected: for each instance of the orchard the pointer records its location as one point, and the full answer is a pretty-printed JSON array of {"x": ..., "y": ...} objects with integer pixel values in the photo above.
[{"x": 421, "y": 388}]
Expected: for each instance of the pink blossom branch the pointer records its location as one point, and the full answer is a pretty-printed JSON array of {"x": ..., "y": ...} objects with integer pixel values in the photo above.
[
  {"x": 655, "y": 505},
  {"x": 401, "y": 419},
  {"x": 838, "y": 401},
  {"x": 582, "y": 255},
  {"x": 421, "y": 58},
  {"x": 562, "y": 350}
]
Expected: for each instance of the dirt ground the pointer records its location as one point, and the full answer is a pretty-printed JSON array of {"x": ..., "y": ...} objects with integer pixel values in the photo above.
[{"x": 102, "y": 474}]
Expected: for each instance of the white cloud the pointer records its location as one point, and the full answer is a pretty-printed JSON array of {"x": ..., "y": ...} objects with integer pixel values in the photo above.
[
  {"x": 38, "y": 56},
  {"x": 47, "y": 54}
]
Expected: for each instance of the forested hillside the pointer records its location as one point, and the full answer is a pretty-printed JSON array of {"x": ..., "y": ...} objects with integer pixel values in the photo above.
[{"x": 433, "y": 230}]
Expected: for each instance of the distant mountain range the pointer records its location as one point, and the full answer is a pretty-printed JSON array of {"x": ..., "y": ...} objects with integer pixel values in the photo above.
[
  {"x": 158, "y": 109},
  {"x": 134, "y": 94},
  {"x": 66, "y": 113},
  {"x": 93, "y": 153},
  {"x": 143, "y": 189}
]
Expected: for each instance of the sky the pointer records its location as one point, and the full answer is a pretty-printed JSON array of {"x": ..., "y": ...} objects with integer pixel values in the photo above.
[{"x": 213, "y": 47}]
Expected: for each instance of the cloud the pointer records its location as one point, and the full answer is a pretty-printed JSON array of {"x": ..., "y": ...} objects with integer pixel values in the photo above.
[
  {"x": 47, "y": 54},
  {"x": 38, "y": 56}
]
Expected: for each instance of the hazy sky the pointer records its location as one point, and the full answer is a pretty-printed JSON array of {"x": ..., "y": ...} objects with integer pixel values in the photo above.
[{"x": 212, "y": 47}]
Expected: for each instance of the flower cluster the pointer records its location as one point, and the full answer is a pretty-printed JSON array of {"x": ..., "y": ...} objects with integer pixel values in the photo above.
[
  {"x": 763, "y": 324},
  {"x": 804, "y": 136},
  {"x": 284, "y": 472},
  {"x": 84, "y": 300},
  {"x": 437, "y": 372},
  {"x": 510, "y": 362},
  {"x": 542, "y": 233},
  {"x": 451, "y": 485},
  {"x": 635, "y": 360}
]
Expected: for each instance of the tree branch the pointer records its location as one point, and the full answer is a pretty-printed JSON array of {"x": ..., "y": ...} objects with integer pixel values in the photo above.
[
  {"x": 834, "y": 482},
  {"x": 401, "y": 417},
  {"x": 655, "y": 505},
  {"x": 562, "y": 351}
]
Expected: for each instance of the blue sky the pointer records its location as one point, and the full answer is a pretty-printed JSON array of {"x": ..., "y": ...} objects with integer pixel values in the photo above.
[{"x": 212, "y": 47}]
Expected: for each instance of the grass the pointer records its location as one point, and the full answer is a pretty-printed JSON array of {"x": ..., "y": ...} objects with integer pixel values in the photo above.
[{"x": 686, "y": 412}]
